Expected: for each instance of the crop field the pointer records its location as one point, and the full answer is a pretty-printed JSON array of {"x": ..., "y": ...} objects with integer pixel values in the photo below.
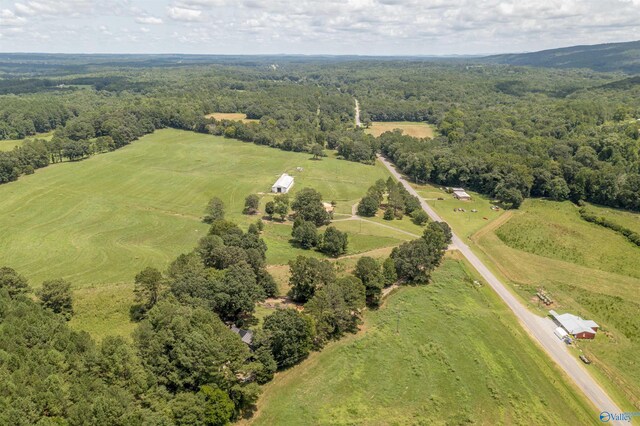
[
  {"x": 409, "y": 128},
  {"x": 234, "y": 116},
  {"x": 100, "y": 221},
  {"x": 455, "y": 353}
]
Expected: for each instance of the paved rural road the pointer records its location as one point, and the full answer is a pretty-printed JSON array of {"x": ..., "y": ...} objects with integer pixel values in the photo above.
[{"x": 539, "y": 328}]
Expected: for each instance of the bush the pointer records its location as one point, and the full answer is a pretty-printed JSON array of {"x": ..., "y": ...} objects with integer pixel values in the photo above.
[{"x": 420, "y": 217}]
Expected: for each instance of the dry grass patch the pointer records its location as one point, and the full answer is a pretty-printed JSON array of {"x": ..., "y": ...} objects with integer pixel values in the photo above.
[
  {"x": 233, "y": 116},
  {"x": 417, "y": 130}
]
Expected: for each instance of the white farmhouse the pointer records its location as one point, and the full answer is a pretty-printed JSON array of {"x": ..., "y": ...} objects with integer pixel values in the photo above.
[{"x": 283, "y": 184}]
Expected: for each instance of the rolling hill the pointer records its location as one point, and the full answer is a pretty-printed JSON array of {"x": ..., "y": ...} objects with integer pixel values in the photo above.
[{"x": 623, "y": 57}]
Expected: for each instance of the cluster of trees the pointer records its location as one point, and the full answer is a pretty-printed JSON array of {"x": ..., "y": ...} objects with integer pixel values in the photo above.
[
  {"x": 310, "y": 214},
  {"x": 279, "y": 206},
  {"x": 399, "y": 202}
]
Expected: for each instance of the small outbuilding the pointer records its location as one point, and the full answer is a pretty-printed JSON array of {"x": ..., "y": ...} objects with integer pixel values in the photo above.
[
  {"x": 460, "y": 194},
  {"x": 283, "y": 184},
  {"x": 245, "y": 335},
  {"x": 575, "y": 326}
]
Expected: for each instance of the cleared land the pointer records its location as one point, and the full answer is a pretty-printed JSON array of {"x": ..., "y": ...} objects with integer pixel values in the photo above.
[
  {"x": 586, "y": 269},
  {"x": 100, "y": 221},
  {"x": 409, "y": 128},
  {"x": 455, "y": 353},
  {"x": 234, "y": 116},
  {"x": 9, "y": 144}
]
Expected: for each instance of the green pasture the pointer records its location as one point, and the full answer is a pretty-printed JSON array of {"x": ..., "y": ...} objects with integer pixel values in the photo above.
[
  {"x": 98, "y": 222},
  {"x": 446, "y": 353}
]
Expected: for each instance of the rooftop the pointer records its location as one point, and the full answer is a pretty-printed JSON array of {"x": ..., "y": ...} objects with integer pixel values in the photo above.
[
  {"x": 574, "y": 324},
  {"x": 284, "y": 181}
]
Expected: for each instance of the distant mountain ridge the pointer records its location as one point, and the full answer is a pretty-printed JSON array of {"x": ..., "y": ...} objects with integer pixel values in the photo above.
[{"x": 623, "y": 57}]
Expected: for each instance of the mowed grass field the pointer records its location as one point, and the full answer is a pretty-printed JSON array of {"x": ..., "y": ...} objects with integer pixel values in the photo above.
[
  {"x": 234, "y": 116},
  {"x": 409, "y": 128},
  {"x": 446, "y": 353},
  {"x": 100, "y": 221},
  {"x": 10, "y": 144},
  {"x": 465, "y": 223},
  {"x": 586, "y": 269}
]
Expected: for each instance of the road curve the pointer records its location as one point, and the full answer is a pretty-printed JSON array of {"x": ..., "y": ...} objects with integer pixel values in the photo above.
[{"x": 541, "y": 329}]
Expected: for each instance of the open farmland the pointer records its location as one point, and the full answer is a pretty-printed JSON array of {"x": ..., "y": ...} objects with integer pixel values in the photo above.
[
  {"x": 407, "y": 365},
  {"x": 234, "y": 116},
  {"x": 100, "y": 221},
  {"x": 9, "y": 144},
  {"x": 417, "y": 130},
  {"x": 588, "y": 270}
]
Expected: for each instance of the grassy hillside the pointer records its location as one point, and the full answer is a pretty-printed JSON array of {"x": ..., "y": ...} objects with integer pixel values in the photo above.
[
  {"x": 585, "y": 268},
  {"x": 447, "y": 353},
  {"x": 600, "y": 57},
  {"x": 100, "y": 221}
]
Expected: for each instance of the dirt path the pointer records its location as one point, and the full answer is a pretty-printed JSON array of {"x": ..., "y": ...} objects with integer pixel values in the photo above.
[
  {"x": 540, "y": 329},
  {"x": 358, "y": 123}
]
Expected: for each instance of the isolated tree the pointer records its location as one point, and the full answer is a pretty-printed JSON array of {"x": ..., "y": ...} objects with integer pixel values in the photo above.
[
  {"x": 420, "y": 217},
  {"x": 317, "y": 151},
  {"x": 282, "y": 210},
  {"x": 147, "y": 287},
  {"x": 308, "y": 206},
  {"x": 289, "y": 335},
  {"x": 270, "y": 209},
  {"x": 306, "y": 275},
  {"x": 13, "y": 282},
  {"x": 304, "y": 234},
  {"x": 260, "y": 225},
  {"x": 368, "y": 206},
  {"x": 251, "y": 204},
  {"x": 369, "y": 272},
  {"x": 334, "y": 242},
  {"x": 56, "y": 295},
  {"x": 214, "y": 210}
]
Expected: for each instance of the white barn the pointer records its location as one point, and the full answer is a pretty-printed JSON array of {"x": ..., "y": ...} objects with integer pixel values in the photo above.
[{"x": 283, "y": 184}]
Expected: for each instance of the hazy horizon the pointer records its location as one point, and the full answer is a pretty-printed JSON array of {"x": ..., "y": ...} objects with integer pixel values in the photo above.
[{"x": 285, "y": 27}]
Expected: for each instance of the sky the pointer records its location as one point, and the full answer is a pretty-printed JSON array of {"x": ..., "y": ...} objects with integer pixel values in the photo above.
[{"x": 363, "y": 27}]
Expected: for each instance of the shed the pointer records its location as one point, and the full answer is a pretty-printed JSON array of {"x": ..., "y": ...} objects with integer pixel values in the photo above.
[
  {"x": 461, "y": 194},
  {"x": 245, "y": 335},
  {"x": 283, "y": 184},
  {"x": 575, "y": 326}
]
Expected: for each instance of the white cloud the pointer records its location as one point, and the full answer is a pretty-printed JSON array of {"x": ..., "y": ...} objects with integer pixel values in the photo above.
[
  {"x": 330, "y": 26},
  {"x": 149, "y": 20},
  {"x": 183, "y": 14},
  {"x": 10, "y": 19}
]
